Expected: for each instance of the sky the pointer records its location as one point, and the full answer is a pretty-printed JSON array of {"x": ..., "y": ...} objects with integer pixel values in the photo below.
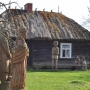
[{"x": 74, "y": 9}]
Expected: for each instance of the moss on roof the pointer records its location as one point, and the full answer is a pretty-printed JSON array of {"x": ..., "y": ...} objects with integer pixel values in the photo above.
[{"x": 42, "y": 24}]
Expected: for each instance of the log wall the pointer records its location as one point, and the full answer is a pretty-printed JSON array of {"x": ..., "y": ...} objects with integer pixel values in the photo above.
[{"x": 40, "y": 53}]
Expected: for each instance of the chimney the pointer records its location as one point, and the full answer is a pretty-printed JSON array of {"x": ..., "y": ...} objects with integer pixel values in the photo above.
[{"x": 28, "y": 7}]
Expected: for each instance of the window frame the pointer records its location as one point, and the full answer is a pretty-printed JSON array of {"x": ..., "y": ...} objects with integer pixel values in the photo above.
[{"x": 61, "y": 49}]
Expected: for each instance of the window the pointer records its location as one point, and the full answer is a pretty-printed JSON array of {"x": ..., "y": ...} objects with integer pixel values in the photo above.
[{"x": 65, "y": 50}]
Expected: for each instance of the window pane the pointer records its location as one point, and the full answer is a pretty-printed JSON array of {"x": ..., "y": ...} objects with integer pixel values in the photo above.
[
  {"x": 67, "y": 53},
  {"x": 63, "y": 53},
  {"x": 66, "y": 46}
]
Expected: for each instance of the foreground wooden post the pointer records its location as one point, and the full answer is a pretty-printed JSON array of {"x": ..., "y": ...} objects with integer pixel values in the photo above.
[
  {"x": 0, "y": 86},
  {"x": 5, "y": 60}
]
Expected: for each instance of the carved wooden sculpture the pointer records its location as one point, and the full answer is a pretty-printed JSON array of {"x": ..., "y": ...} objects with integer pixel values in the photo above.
[
  {"x": 83, "y": 63},
  {"x": 19, "y": 60},
  {"x": 5, "y": 57},
  {"x": 78, "y": 63},
  {"x": 55, "y": 53}
]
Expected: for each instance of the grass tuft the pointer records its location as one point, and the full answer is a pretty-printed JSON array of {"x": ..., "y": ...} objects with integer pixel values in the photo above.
[{"x": 77, "y": 82}]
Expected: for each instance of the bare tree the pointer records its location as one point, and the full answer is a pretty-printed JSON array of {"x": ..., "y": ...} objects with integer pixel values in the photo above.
[
  {"x": 6, "y": 20},
  {"x": 86, "y": 20}
]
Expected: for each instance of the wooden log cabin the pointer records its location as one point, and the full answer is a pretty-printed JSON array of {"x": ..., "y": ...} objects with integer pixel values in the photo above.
[{"x": 44, "y": 28}]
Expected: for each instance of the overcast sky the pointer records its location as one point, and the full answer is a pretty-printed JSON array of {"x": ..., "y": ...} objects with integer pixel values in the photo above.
[{"x": 75, "y": 9}]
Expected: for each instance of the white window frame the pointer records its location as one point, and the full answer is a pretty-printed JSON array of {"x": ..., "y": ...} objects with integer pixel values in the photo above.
[{"x": 61, "y": 48}]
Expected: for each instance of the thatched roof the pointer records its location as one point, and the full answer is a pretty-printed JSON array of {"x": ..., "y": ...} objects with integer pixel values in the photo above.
[{"x": 41, "y": 24}]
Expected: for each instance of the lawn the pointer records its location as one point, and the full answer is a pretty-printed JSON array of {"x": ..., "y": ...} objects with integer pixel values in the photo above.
[{"x": 61, "y": 80}]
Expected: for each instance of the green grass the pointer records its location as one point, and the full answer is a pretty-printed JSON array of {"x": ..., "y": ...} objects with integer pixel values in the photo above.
[{"x": 61, "y": 80}]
